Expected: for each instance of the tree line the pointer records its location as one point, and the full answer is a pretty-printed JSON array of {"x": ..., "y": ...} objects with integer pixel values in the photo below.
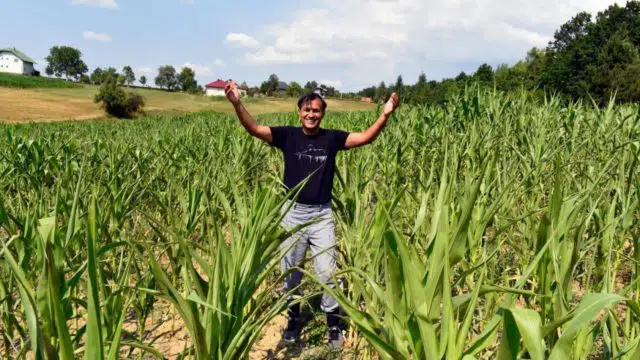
[
  {"x": 588, "y": 58},
  {"x": 67, "y": 61},
  {"x": 270, "y": 87}
]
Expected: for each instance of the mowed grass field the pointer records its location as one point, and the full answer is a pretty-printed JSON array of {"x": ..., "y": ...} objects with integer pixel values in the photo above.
[{"x": 55, "y": 104}]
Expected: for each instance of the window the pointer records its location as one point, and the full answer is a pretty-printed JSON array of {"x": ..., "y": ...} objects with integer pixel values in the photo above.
[{"x": 15, "y": 60}]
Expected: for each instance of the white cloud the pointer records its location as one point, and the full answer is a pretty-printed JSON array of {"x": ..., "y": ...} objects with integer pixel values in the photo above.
[
  {"x": 388, "y": 34},
  {"x": 106, "y": 4},
  {"x": 218, "y": 63},
  {"x": 242, "y": 40},
  {"x": 90, "y": 35},
  {"x": 331, "y": 83},
  {"x": 198, "y": 69}
]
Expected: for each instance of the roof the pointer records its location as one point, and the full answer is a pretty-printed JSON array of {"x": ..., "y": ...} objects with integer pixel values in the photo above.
[
  {"x": 22, "y": 56},
  {"x": 218, "y": 84},
  {"x": 282, "y": 85}
]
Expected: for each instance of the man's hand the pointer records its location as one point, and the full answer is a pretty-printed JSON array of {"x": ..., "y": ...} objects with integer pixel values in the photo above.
[
  {"x": 356, "y": 139},
  {"x": 391, "y": 105},
  {"x": 231, "y": 92},
  {"x": 260, "y": 131}
]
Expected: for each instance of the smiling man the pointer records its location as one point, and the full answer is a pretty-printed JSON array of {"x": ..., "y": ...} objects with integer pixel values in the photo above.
[{"x": 307, "y": 150}]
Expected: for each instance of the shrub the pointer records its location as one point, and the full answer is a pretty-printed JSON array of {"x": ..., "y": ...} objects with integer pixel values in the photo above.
[{"x": 116, "y": 102}]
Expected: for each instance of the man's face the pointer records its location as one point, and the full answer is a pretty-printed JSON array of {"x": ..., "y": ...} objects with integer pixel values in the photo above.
[{"x": 311, "y": 114}]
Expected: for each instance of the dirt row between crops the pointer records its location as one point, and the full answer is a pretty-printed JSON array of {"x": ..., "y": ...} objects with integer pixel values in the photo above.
[{"x": 173, "y": 338}]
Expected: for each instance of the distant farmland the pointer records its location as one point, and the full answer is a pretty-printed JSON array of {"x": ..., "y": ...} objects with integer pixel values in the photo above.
[{"x": 75, "y": 102}]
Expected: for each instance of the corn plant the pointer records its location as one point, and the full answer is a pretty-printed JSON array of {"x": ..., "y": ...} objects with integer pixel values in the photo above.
[{"x": 494, "y": 226}]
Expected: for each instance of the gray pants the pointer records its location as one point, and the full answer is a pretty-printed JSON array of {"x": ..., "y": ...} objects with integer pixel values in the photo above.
[{"x": 320, "y": 237}]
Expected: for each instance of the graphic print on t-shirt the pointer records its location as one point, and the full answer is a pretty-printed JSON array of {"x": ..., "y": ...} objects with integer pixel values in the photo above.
[{"x": 312, "y": 154}]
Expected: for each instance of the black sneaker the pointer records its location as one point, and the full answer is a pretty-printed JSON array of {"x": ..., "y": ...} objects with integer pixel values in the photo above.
[
  {"x": 292, "y": 332},
  {"x": 336, "y": 339}
]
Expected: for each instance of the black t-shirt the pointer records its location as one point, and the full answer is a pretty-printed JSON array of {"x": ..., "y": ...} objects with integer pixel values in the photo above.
[{"x": 304, "y": 154}]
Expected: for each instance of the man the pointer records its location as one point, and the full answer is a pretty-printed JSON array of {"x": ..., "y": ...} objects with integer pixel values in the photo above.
[{"x": 310, "y": 150}]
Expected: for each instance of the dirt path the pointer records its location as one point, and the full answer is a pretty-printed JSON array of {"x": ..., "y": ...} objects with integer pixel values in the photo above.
[{"x": 172, "y": 338}]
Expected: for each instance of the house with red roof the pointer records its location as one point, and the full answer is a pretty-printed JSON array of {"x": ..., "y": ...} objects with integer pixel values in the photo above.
[{"x": 216, "y": 88}]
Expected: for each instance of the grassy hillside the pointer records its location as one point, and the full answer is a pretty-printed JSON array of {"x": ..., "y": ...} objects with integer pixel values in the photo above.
[
  {"x": 52, "y": 104},
  {"x": 29, "y": 82}
]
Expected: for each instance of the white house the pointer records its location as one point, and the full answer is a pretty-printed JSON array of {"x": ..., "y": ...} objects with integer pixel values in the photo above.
[
  {"x": 216, "y": 88},
  {"x": 14, "y": 61}
]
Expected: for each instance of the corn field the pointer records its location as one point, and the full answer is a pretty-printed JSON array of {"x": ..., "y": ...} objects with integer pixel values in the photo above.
[{"x": 494, "y": 227}]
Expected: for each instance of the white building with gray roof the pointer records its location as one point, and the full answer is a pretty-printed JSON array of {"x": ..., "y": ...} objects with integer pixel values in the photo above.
[{"x": 15, "y": 61}]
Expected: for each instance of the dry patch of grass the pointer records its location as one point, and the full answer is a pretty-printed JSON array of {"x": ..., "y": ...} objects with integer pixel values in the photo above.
[
  {"x": 24, "y": 105},
  {"x": 18, "y": 105}
]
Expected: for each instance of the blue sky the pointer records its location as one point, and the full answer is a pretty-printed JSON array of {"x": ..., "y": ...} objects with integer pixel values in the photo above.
[{"x": 349, "y": 44}]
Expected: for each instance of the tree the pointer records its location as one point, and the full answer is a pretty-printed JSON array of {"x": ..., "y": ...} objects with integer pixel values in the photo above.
[
  {"x": 187, "y": 80},
  {"x": 270, "y": 86},
  {"x": 484, "y": 74},
  {"x": 369, "y": 92},
  {"x": 570, "y": 32},
  {"x": 422, "y": 79},
  {"x": 618, "y": 63},
  {"x": 294, "y": 89},
  {"x": 511, "y": 78},
  {"x": 329, "y": 90},
  {"x": 116, "y": 102},
  {"x": 97, "y": 76},
  {"x": 65, "y": 60},
  {"x": 462, "y": 77},
  {"x": 110, "y": 73},
  {"x": 399, "y": 86},
  {"x": 143, "y": 80},
  {"x": 625, "y": 81},
  {"x": 420, "y": 90},
  {"x": 273, "y": 82},
  {"x": 325, "y": 90},
  {"x": 310, "y": 86},
  {"x": 445, "y": 90},
  {"x": 381, "y": 92},
  {"x": 129, "y": 76},
  {"x": 535, "y": 62},
  {"x": 570, "y": 57},
  {"x": 588, "y": 58},
  {"x": 167, "y": 78}
]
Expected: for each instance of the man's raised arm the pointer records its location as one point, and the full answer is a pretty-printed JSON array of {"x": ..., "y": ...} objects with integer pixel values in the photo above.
[
  {"x": 259, "y": 131},
  {"x": 356, "y": 139}
]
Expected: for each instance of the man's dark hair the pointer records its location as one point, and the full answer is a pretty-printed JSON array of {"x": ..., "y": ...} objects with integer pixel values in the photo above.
[{"x": 307, "y": 98}]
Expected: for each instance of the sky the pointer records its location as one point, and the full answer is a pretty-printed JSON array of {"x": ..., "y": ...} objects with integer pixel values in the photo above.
[{"x": 347, "y": 44}]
